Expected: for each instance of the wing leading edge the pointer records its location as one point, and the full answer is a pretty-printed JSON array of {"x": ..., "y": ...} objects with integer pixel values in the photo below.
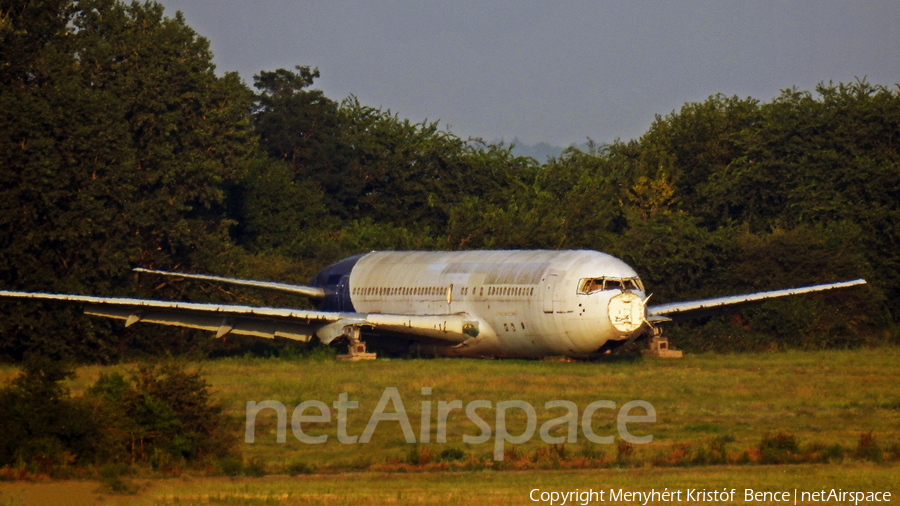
[
  {"x": 693, "y": 308},
  {"x": 268, "y": 322}
]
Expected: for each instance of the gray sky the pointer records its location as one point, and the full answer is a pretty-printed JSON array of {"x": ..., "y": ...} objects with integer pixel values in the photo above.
[{"x": 555, "y": 72}]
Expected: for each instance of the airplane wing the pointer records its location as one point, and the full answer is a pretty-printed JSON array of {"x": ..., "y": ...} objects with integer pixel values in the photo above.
[
  {"x": 310, "y": 291},
  {"x": 297, "y": 324},
  {"x": 706, "y": 307}
]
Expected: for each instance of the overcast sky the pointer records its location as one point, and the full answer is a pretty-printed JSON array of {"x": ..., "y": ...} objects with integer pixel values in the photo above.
[{"x": 556, "y": 72}]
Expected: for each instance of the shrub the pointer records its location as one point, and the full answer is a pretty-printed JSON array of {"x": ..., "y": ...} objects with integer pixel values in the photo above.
[
  {"x": 452, "y": 455},
  {"x": 778, "y": 449},
  {"x": 299, "y": 467},
  {"x": 255, "y": 468},
  {"x": 43, "y": 426},
  {"x": 868, "y": 448},
  {"x": 164, "y": 416}
]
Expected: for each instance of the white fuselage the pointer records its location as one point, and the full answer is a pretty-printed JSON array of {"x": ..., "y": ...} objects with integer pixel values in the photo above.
[{"x": 521, "y": 303}]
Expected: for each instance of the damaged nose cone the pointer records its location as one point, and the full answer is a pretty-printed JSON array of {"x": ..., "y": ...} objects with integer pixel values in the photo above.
[{"x": 626, "y": 312}]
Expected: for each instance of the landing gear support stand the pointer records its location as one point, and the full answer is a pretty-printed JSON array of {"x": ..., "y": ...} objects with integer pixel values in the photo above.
[
  {"x": 659, "y": 346},
  {"x": 356, "y": 350}
]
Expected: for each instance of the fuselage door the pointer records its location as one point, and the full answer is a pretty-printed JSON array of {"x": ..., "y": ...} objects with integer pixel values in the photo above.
[
  {"x": 549, "y": 291},
  {"x": 343, "y": 294}
]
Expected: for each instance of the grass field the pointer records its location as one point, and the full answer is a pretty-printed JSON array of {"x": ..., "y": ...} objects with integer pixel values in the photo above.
[
  {"x": 703, "y": 403},
  {"x": 484, "y": 487},
  {"x": 820, "y": 397}
]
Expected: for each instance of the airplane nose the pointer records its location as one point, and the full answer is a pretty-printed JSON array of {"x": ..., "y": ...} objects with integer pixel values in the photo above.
[{"x": 626, "y": 311}]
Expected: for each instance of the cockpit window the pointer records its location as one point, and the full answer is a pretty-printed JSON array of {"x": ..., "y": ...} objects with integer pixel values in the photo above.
[{"x": 590, "y": 285}]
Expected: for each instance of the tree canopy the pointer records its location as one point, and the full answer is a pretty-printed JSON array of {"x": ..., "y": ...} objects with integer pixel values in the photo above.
[{"x": 118, "y": 144}]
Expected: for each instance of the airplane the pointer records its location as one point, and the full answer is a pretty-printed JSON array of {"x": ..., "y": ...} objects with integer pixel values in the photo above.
[{"x": 503, "y": 304}]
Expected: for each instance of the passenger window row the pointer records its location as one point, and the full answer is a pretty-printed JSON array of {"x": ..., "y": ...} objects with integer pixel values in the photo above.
[
  {"x": 389, "y": 291},
  {"x": 503, "y": 291}
]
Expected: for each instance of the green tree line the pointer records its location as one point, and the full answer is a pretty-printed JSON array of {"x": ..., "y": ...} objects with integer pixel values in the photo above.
[{"x": 121, "y": 147}]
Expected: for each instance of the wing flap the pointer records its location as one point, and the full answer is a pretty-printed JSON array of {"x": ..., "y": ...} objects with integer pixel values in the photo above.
[
  {"x": 267, "y": 322},
  {"x": 683, "y": 309},
  {"x": 221, "y": 323},
  {"x": 298, "y": 324}
]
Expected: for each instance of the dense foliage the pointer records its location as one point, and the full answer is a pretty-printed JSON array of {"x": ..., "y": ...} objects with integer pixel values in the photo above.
[
  {"x": 119, "y": 146},
  {"x": 161, "y": 417}
]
